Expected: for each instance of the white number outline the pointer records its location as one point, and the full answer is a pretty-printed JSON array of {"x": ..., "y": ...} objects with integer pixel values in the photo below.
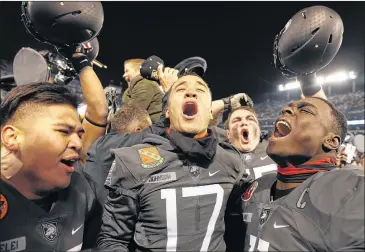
[
  {"x": 259, "y": 171},
  {"x": 263, "y": 245},
  {"x": 171, "y": 212}
]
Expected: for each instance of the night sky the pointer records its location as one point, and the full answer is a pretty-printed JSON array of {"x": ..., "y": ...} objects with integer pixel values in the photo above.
[{"x": 235, "y": 38}]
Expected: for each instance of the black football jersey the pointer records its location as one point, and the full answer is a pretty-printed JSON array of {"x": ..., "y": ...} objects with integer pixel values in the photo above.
[
  {"x": 258, "y": 163},
  {"x": 70, "y": 225},
  {"x": 325, "y": 213},
  {"x": 161, "y": 201}
]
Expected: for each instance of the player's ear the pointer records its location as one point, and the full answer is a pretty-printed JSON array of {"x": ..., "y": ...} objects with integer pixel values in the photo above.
[
  {"x": 332, "y": 141},
  {"x": 10, "y": 137},
  {"x": 167, "y": 113},
  {"x": 228, "y": 135}
]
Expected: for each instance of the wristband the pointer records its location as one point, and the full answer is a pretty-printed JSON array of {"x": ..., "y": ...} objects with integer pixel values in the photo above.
[
  {"x": 96, "y": 124},
  {"x": 80, "y": 62}
]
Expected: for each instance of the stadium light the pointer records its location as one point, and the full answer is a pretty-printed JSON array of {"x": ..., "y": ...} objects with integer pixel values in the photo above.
[
  {"x": 338, "y": 77},
  {"x": 352, "y": 75},
  {"x": 355, "y": 122},
  {"x": 289, "y": 86}
]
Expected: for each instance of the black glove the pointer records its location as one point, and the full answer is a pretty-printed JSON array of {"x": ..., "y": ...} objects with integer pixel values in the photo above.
[
  {"x": 246, "y": 101},
  {"x": 237, "y": 100},
  {"x": 80, "y": 61}
]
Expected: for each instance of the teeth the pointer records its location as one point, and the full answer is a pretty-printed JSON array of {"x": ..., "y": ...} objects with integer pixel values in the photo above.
[{"x": 283, "y": 122}]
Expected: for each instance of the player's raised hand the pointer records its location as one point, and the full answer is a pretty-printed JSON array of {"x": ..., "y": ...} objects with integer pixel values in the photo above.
[{"x": 167, "y": 77}]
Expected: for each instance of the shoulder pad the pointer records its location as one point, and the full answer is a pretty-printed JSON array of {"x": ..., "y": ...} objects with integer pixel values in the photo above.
[
  {"x": 133, "y": 165},
  {"x": 230, "y": 156},
  {"x": 260, "y": 188},
  {"x": 329, "y": 191}
]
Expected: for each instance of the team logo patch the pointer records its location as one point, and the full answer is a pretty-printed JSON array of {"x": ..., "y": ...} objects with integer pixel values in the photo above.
[
  {"x": 150, "y": 157},
  {"x": 247, "y": 217},
  {"x": 194, "y": 170},
  {"x": 3, "y": 206},
  {"x": 248, "y": 194},
  {"x": 50, "y": 231}
]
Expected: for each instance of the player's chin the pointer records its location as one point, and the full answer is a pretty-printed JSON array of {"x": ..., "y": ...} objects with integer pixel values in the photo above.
[
  {"x": 64, "y": 181},
  {"x": 191, "y": 126},
  {"x": 246, "y": 147},
  {"x": 279, "y": 149}
]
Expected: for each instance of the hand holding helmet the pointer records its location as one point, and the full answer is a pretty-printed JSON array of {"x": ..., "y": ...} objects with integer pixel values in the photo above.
[
  {"x": 77, "y": 55},
  {"x": 167, "y": 77}
]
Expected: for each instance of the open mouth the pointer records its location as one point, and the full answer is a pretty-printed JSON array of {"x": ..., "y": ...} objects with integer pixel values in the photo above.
[
  {"x": 190, "y": 109},
  {"x": 245, "y": 134},
  {"x": 282, "y": 128},
  {"x": 69, "y": 162}
]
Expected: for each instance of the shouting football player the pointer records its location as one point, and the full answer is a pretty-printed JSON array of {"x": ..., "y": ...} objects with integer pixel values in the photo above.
[
  {"x": 310, "y": 204},
  {"x": 171, "y": 193},
  {"x": 45, "y": 205}
]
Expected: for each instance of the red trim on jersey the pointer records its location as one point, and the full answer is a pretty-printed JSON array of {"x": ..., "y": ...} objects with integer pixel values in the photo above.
[{"x": 292, "y": 170}]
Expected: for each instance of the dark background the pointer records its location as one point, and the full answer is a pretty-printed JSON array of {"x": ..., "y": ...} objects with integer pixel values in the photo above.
[{"x": 234, "y": 37}]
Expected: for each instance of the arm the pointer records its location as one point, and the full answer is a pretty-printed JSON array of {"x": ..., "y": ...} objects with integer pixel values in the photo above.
[
  {"x": 97, "y": 109},
  {"x": 235, "y": 226},
  {"x": 142, "y": 94},
  {"x": 310, "y": 88},
  {"x": 217, "y": 108},
  {"x": 119, "y": 220},
  {"x": 93, "y": 218}
]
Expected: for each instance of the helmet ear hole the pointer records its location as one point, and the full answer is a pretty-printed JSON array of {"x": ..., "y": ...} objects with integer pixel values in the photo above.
[
  {"x": 330, "y": 39},
  {"x": 315, "y": 31}
]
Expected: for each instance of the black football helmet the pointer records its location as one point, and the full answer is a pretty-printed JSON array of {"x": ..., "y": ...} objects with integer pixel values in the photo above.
[
  {"x": 308, "y": 42},
  {"x": 62, "y": 23}
]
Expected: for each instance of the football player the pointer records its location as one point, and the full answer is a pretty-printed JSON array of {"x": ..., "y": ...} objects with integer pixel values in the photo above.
[
  {"x": 45, "y": 205},
  {"x": 310, "y": 204},
  {"x": 170, "y": 193}
]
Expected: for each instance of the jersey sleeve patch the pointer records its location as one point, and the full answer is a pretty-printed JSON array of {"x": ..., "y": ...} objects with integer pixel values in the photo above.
[
  {"x": 150, "y": 157},
  {"x": 3, "y": 206},
  {"x": 248, "y": 194}
]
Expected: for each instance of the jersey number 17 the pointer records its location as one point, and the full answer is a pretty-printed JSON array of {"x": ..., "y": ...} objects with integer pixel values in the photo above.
[{"x": 171, "y": 212}]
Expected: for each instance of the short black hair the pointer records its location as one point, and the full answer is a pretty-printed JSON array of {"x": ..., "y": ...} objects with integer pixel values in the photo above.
[
  {"x": 252, "y": 110},
  {"x": 36, "y": 94},
  {"x": 128, "y": 115},
  {"x": 339, "y": 122}
]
